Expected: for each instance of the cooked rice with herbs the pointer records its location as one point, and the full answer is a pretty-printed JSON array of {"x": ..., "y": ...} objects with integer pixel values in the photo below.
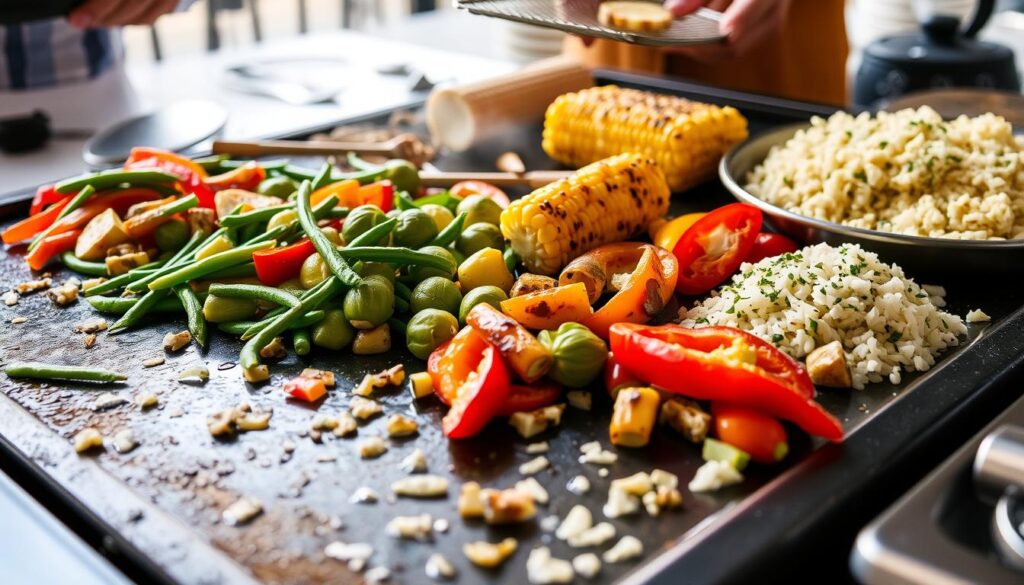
[
  {"x": 907, "y": 172},
  {"x": 799, "y": 301}
]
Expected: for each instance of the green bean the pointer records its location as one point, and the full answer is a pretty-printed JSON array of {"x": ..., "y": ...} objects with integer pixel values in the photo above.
[
  {"x": 124, "y": 279},
  {"x": 301, "y": 341},
  {"x": 402, "y": 291},
  {"x": 274, "y": 234},
  {"x": 511, "y": 259},
  {"x": 323, "y": 245},
  {"x": 241, "y": 271},
  {"x": 136, "y": 312},
  {"x": 43, "y": 371},
  {"x": 364, "y": 177},
  {"x": 322, "y": 292},
  {"x": 256, "y": 292},
  {"x": 450, "y": 232},
  {"x": 323, "y": 177},
  {"x": 359, "y": 164},
  {"x": 273, "y": 314},
  {"x": 113, "y": 178},
  {"x": 194, "y": 312},
  {"x": 77, "y": 201},
  {"x": 255, "y": 216},
  {"x": 186, "y": 253},
  {"x": 375, "y": 234},
  {"x": 213, "y": 163},
  {"x": 120, "y": 305},
  {"x": 176, "y": 206},
  {"x": 397, "y": 325},
  {"x": 399, "y": 256},
  {"x": 403, "y": 201},
  {"x": 240, "y": 327},
  {"x": 83, "y": 266},
  {"x": 208, "y": 265},
  {"x": 444, "y": 199}
]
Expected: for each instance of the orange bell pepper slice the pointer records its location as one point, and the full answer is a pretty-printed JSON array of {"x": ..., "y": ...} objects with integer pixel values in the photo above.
[
  {"x": 142, "y": 157},
  {"x": 652, "y": 280},
  {"x": 347, "y": 192},
  {"x": 34, "y": 224},
  {"x": 547, "y": 309},
  {"x": 50, "y": 246},
  {"x": 305, "y": 388}
]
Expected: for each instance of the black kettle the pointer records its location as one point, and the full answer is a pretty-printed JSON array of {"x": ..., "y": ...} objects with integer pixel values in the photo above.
[{"x": 941, "y": 55}]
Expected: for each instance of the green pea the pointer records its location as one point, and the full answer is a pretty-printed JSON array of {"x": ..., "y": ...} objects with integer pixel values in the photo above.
[
  {"x": 172, "y": 235},
  {"x": 370, "y": 303},
  {"x": 489, "y": 294},
  {"x": 479, "y": 236},
  {"x": 415, "y": 228},
  {"x": 334, "y": 332},
  {"x": 480, "y": 209},
  {"x": 403, "y": 175},
  {"x": 441, "y": 215},
  {"x": 436, "y": 292},
  {"x": 277, "y": 187},
  {"x": 314, "y": 271},
  {"x": 419, "y": 274},
  {"x": 222, "y": 310},
  {"x": 283, "y": 218},
  {"x": 428, "y": 329},
  {"x": 377, "y": 269},
  {"x": 361, "y": 219}
]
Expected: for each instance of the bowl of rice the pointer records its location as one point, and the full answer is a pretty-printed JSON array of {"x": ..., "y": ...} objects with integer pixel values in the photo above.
[{"x": 926, "y": 193}]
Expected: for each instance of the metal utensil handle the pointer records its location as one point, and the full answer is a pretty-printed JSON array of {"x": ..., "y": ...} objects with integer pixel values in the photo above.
[
  {"x": 533, "y": 179},
  {"x": 322, "y": 147},
  {"x": 999, "y": 463}
]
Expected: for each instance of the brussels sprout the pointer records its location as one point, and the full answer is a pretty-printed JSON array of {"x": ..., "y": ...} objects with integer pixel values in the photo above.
[
  {"x": 441, "y": 215},
  {"x": 436, "y": 292},
  {"x": 483, "y": 268},
  {"x": 480, "y": 209},
  {"x": 332, "y": 235},
  {"x": 277, "y": 187},
  {"x": 292, "y": 285},
  {"x": 403, "y": 175},
  {"x": 377, "y": 269},
  {"x": 428, "y": 329},
  {"x": 334, "y": 332},
  {"x": 223, "y": 309},
  {"x": 360, "y": 220},
  {"x": 171, "y": 236},
  {"x": 491, "y": 295},
  {"x": 421, "y": 273},
  {"x": 370, "y": 303},
  {"x": 479, "y": 236},
  {"x": 415, "y": 228},
  {"x": 286, "y": 217},
  {"x": 579, "y": 354},
  {"x": 314, "y": 271}
]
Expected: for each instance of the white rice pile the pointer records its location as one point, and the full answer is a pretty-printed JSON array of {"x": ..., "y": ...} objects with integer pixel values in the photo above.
[
  {"x": 885, "y": 321},
  {"x": 907, "y": 172}
]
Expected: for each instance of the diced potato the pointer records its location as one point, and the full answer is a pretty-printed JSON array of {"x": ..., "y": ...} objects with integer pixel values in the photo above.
[
  {"x": 221, "y": 243},
  {"x": 106, "y": 230},
  {"x": 225, "y": 201},
  {"x": 117, "y": 265},
  {"x": 547, "y": 309}
]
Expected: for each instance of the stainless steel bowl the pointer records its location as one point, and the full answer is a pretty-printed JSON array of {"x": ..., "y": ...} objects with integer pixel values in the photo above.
[{"x": 914, "y": 253}]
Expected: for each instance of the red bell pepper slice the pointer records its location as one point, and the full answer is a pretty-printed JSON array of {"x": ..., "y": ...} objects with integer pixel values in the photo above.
[
  {"x": 724, "y": 364},
  {"x": 713, "y": 248},
  {"x": 45, "y": 195},
  {"x": 277, "y": 265},
  {"x": 617, "y": 376},
  {"x": 190, "y": 173},
  {"x": 756, "y": 433},
  {"x": 307, "y": 389},
  {"x": 470, "y": 375},
  {"x": 524, "y": 398},
  {"x": 35, "y": 223},
  {"x": 769, "y": 244},
  {"x": 247, "y": 176},
  {"x": 380, "y": 193},
  {"x": 50, "y": 246}
]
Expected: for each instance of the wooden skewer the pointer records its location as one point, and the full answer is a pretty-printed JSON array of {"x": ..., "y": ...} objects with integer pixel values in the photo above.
[
  {"x": 406, "y": 146},
  {"x": 532, "y": 179}
]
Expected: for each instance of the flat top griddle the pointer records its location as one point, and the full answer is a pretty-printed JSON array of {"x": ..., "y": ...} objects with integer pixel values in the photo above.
[{"x": 156, "y": 510}]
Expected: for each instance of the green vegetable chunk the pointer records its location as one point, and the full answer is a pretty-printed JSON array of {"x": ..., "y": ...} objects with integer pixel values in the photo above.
[
  {"x": 479, "y": 236},
  {"x": 43, "y": 371},
  {"x": 441, "y": 215},
  {"x": 403, "y": 175},
  {"x": 491, "y": 295},
  {"x": 428, "y": 329},
  {"x": 436, "y": 292},
  {"x": 579, "y": 354},
  {"x": 222, "y": 309},
  {"x": 415, "y": 228},
  {"x": 480, "y": 209},
  {"x": 314, "y": 271},
  {"x": 334, "y": 332},
  {"x": 360, "y": 220},
  {"x": 421, "y": 273},
  {"x": 370, "y": 302},
  {"x": 172, "y": 235},
  {"x": 277, "y": 187},
  {"x": 715, "y": 450}
]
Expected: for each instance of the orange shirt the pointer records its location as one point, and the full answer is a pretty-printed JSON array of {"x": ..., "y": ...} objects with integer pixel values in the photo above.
[{"x": 804, "y": 60}]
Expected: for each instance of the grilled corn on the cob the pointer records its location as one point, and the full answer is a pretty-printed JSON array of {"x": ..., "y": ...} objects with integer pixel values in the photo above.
[
  {"x": 686, "y": 138},
  {"x": 608, "y": 201}
]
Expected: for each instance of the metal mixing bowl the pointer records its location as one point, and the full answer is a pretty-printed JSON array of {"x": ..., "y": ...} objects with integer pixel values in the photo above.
[{"x": 914, "y": 253}]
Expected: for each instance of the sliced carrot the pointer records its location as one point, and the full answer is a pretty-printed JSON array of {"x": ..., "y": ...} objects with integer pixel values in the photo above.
[{"x": 34, "y": 224}]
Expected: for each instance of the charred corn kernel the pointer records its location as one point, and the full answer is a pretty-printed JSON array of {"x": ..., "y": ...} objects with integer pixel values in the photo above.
[
  {"x": 633, "y": 417},
  {"x": 685, "y": 138},
  {"x": 421, "y": 385},
  {"x": 608, "y": 201},
  {"x": 372, "y": 341}
]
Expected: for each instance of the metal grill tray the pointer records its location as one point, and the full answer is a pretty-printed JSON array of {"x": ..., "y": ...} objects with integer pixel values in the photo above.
[
  {"x": 579, "y": 17},
  {"x": 155, "y": 511}
]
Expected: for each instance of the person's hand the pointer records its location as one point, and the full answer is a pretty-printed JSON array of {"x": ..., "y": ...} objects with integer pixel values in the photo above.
[
  {"x": 106, "y": 13},
  {"x": 745, "y": 23}
]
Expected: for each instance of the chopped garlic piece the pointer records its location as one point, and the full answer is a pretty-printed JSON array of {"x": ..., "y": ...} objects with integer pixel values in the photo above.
[
  {"x": 507, "y": 506},
  {"x": 415, "y": 462},
  {"x": 577, "y": 521},
  {"x": 372, "y": 447},
  {"x": 627, "y": 548},
  {"x": 242, "y": 511},
  {"x": 532, "y": 486},
  {"x": 94, "y": 326},
  {"x": 528, "y": 424},
  {"x": 438, "y": 567},
  {"x": 593, "y": 453},
  {"x": 364, "y": 495},
  {"x": 355, "y": 554},
  {"x": 421, "y": 486},
  {"x": 977, "y": 316},
  {"x": 664, "y": 479},
  {"x": 549, "y": 523},
  {"x": 146, "y": 400},
  {"x": 346, "y": 425},
  {"x": 620, "y": 503},
  {"x": 543, "y": 569},
  {"x": 377, "y": 575},
  {"x": 471, "y": 504},
  {"x": 421, "y": 385},
  {"x": 89, "y": 340},
  {"x": 32, "y": 286},
  {"x": 537, "y": 448},
  {"x": 124, "y": 441},
  {"x": 637, "y": 484},
  {"x": 64, "y": 294},
  {"x": 108, "y": 400},
  {"x": 411, "y": 527},
  {"x": 10, "y": 298},
  {"x": 534, "y": 465},
  {"x": 578, "y": 485},
  {"x": 579, "y": 399},
  {"x": 489, "y": 555},
  {"x": 587, "y": 565},
  {"x": 714, "y": 475},
  {"x": 86, "y": 439},
  {"x": 176, "y": 341},
  {"x": 399, "y": 425},
  {"x": 323, "y": 422},
  {"x": 325, "y": 376},
  {"x": 363, "y": 409},
  {"x": 153, "y": 362},
  {"x": 593, "y": 536}
]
